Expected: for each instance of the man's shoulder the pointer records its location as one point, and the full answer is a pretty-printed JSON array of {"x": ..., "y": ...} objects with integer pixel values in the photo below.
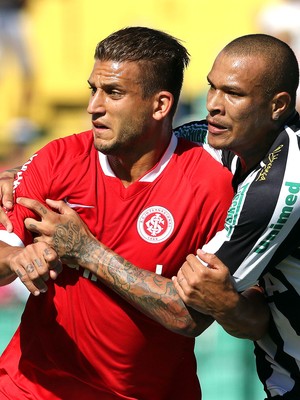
[
  {"x": 70, "y": 146},
  {"x": 197, "y": 163},
  {"x": 82, "y": 139},
  {"x": 194, "y": 131}
]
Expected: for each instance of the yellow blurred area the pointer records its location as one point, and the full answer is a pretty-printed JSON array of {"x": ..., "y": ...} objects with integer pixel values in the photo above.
[{"x": 62, "y": 35}]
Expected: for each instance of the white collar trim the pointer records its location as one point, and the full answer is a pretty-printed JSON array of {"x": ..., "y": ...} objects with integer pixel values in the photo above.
[{"x": 153, "y": 173}]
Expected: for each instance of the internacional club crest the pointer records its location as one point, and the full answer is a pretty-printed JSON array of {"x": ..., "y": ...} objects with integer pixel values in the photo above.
[{"x": 155, "y": 224}]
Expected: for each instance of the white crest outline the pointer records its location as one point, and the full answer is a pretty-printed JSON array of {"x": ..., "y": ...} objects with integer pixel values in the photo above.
[{"x": 155, "y": 232}]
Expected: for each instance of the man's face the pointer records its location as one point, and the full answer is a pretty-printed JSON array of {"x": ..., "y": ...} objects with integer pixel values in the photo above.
[
  {"x": 121, "y": 117},
  {"x": 239, "y": 112}
]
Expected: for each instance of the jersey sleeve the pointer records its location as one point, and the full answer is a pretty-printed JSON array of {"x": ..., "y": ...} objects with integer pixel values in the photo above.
[
  {"x": 196, "y": 131},
  {"x": 262, "y": 222}
]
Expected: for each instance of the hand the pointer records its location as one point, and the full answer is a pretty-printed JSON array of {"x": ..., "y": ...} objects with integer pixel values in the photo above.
[
  {"x": 6, "y": 196},
  {"x": 34, "y": 264},
  {"x": 210, "y": 290},
  {"x": 207, "y": 289},
  {"x": 64, "y": 231}
]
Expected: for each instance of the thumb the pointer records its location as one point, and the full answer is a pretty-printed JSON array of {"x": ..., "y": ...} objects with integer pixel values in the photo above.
[{"x": 210, "y": 260}]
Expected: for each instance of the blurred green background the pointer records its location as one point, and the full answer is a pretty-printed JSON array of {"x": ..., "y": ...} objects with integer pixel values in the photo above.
[{"x": 61, "y": 36}]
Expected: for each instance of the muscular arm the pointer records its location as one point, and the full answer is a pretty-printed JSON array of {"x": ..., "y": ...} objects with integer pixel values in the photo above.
[
  {"x": 148, "y": 292},
  {"x": 210, "y": 290}
]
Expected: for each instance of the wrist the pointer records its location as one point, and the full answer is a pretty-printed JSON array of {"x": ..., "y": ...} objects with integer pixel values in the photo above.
[{"x": 230, "y": 309}]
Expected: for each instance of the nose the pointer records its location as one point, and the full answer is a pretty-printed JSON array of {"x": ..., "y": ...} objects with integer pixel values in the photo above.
[
  {"x": 215, "y": 101},
  {"x": 96, "y": 103}
]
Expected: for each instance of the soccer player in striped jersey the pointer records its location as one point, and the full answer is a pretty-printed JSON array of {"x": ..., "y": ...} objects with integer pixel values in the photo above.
[{"x": 254, "y": 130}]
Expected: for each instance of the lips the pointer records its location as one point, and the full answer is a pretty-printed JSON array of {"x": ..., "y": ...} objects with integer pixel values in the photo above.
[
  {"x": 215, "y": 128},
  {"x": 99, "y": 125},
  {"x": 101, "y": 131}
]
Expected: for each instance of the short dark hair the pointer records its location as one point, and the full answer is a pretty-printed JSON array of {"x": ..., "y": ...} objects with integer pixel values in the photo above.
[
  {"x": 282, "y": 69},
  {"x": 162, "y": 57}
]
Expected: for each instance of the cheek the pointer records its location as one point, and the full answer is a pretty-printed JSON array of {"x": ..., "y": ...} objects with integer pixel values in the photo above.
[{"x": 239, "y": 111}]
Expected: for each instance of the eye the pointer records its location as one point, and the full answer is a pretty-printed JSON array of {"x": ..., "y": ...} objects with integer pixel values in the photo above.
[
  {"x": 115, "y": 93},
  {"x": 234, "y": 93},
  {"x": 93, "y": 89}
]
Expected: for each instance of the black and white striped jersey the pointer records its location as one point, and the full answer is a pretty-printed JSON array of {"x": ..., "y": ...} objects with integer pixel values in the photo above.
[{"x": 260, "y": 243}]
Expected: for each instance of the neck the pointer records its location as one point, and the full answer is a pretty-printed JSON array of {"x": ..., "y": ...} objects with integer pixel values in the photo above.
[
  {"x": 130, "y": 167},
  {"x": 253, "y": 156}
]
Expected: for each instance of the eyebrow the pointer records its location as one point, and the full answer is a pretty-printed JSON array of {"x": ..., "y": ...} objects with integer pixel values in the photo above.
[{"x": 227, "y": 87}]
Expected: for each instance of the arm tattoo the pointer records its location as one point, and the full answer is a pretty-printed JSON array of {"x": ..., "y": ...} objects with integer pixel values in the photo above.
[{"x": 149, "y": 292}]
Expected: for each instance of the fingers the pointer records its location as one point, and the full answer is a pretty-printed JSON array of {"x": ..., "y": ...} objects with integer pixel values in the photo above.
[
  {"x": 34, "y": 265},
  {"x": 6, "y": 188},
  {"x": 31, "y": 224},
  {"x": 192, "y": 266},
  {"x": 178, "y": 287},
  {"x": 43, "y": 211},
  {"x": 5, "y": 221},
  {"x": 191, "y": 274},
  {"x": 210, "y": 260},
  {"x": 59, "y": 205},
  {"x": 181, "y": 285},
  {"x": 54, "y": 263},
  {"x": 6, "y": 198},
  {"x": 34, "y": 205},
  {"x": 55, "y": 271}
]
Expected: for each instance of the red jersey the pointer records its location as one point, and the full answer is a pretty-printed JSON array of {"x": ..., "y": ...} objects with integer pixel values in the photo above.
[{"x": 80, "y": 340}]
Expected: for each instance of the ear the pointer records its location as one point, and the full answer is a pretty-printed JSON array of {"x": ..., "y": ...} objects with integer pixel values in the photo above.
[
  {"x": 280, "y": 103},
  {"x": 163, "y": 103}
]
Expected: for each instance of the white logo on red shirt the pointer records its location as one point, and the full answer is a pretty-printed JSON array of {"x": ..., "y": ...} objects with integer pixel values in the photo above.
[
  {"x": 155, "y": 224},
  {"x": 19, "y": 176}
]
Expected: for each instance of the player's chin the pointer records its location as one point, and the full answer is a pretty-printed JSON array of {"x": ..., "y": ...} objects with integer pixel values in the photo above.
[
  {"x": 215, "y": 142},
  {"x": 218, "y": 141},
  {"x": 105, "y": 147},
  {"x": 103, "y": 144}
]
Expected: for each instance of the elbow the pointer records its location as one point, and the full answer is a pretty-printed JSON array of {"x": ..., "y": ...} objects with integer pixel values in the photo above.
[
  {"x": 191, "y": 330},
  {"x": 193, "y": 324}
]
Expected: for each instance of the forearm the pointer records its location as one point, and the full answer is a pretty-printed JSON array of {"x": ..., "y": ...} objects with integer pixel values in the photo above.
[
  {"x": 150, "y": 293},
  {"x": 248, "y": 315}
]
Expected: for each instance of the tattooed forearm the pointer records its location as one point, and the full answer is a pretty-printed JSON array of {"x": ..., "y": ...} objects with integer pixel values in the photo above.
[{"x": 149, "y": 292}]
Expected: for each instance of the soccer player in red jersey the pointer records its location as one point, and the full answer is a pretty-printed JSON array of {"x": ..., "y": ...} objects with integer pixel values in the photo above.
[{"x": 111, "y": 325}]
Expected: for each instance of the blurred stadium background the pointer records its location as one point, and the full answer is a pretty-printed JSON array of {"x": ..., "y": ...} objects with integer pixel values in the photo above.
[{"x": 61, "y": 36}]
